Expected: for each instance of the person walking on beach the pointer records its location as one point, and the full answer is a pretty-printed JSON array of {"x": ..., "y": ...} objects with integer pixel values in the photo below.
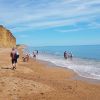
[{"x": 13, "y": 58}]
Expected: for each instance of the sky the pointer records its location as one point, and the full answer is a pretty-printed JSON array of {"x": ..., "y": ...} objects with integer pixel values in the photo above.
[{"x": 52, "y": 22}]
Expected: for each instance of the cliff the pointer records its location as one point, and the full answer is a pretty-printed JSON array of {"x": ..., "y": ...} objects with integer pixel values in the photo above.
[{"x": 6, "y": 38}]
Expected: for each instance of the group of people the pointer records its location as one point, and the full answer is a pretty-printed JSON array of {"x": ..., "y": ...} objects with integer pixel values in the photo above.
[
  {"x": 14, "y": 57},
  {"x": 35, "y": 53},
  {"x": 27, "y": 56},
  {"x": 67, "y": 55}
]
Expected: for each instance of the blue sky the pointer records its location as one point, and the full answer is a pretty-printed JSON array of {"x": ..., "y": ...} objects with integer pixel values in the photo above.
[{"x": 52, "y": 22}]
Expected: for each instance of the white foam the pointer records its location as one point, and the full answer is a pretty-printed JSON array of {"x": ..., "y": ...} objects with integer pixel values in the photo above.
[{"x": 85, "y": 68}]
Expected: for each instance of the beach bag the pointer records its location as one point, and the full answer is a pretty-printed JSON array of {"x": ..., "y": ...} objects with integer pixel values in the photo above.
[{"x": 17, "y": 55}]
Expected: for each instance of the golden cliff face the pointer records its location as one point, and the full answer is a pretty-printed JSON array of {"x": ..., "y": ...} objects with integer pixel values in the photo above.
[{"x": 6, "y": 38}]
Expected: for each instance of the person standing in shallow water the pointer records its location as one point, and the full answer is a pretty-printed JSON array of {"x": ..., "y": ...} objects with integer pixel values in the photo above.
[
  {"x": 13, "y": 56},
  {"x": 34, "y": 55},
  {"x": 70, "y": 55},
  {"x": 65, "y": 55},
  {"x": 37, "y": 52}
]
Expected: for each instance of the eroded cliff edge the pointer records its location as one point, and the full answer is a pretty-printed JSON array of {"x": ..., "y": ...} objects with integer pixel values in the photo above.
[{"x": 6, "y": 38}]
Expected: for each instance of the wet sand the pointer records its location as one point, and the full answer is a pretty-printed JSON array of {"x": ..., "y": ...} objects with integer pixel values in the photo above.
[{"x": 36, "y": 80}]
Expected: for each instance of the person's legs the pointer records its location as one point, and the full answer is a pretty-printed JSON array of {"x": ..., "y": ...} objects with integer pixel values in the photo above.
[
  {"x": 13, "y": 64},
  {"x": 14, "y": 61}
]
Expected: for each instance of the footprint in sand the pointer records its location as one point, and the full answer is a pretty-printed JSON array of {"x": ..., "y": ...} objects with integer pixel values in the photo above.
[
  {"x": 42, "y": 93},
  {"x": 69, "y": 87},
  {"x": 15, "y": 85},
  {"x": 14, "y": 89}
]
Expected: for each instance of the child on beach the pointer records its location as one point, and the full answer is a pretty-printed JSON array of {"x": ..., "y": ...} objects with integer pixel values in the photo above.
[{"x": 25, "y": 58}]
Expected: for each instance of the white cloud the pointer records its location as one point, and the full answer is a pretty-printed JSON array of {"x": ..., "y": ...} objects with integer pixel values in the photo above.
[
  {"x": 69, "y": 30},
  {"x": 94, "y": 25},
  {"x": 23, "y": 36},
  {"x": 28, "y": 14}
]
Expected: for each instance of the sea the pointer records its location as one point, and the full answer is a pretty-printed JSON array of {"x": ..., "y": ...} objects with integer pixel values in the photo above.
[{"x": 85, "y": 61}]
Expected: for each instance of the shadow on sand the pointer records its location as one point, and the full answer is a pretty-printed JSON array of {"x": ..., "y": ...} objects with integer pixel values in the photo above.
[{"x": 6, "y": 68}]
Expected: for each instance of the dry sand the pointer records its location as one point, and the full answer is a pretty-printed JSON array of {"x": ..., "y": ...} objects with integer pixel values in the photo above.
[{"x": 35, "y": 80}]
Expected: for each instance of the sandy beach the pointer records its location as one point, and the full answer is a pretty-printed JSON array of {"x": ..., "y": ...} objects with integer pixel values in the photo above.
[{"x": 36, "y": 80}]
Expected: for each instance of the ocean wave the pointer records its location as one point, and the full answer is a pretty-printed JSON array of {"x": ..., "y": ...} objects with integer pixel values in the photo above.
[{"x": 89, "y": 68}]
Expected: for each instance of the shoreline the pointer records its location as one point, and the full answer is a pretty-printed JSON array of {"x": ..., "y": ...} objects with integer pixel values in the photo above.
[
  {"x": 89, "y": 75},
  {"x": 75, "y": 76},
  {"x": 39, "y": 80}
]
